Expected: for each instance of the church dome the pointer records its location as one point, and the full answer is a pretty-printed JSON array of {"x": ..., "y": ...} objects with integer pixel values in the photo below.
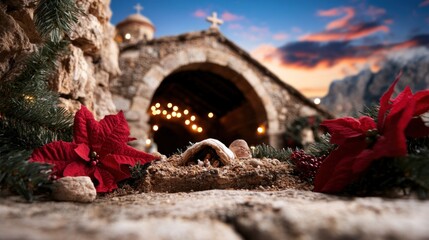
[{"x": 134, "y": 28}]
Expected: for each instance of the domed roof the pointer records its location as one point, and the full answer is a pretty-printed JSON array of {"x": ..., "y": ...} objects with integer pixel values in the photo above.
[{"x": 136, "y": 18}]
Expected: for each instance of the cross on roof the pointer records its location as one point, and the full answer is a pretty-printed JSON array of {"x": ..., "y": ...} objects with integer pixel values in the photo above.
[
  {"x": 216, "y": 22},
  {"x": 138, "y": 7}
]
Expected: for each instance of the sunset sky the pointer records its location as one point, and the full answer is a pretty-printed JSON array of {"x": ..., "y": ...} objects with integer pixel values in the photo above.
[{"x": 307, "y": 43}]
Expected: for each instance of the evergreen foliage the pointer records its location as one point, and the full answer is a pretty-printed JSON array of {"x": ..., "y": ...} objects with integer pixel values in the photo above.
[
  {"x": 29, "y": 112},
  {"x": 267, "y": 151}
]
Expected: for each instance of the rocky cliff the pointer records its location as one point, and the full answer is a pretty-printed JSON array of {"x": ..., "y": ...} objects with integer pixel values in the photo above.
[
  {"x": 350, "y": 95},
  {"x": 84, "y": 73}
]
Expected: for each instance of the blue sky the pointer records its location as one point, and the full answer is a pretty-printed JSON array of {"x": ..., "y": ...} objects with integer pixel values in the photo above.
[{"x": 297, "y": 40}]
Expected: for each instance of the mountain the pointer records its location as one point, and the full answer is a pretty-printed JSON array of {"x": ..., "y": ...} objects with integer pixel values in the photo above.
[{"x": 350, "y": 95}]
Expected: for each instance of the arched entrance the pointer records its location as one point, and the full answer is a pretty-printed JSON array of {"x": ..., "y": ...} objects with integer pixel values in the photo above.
[{"x": 204, "y": 100}]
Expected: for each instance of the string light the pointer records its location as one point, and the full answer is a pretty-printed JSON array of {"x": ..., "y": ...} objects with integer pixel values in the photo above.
[
  {"x": 200, "y": 129},
  {"x": 179, "y": 115},
  {"x": 148, "y": 142},
  {"x": 169, "y": 105},
  {"x": 153, "y": 108},
  {"x": 210, "y": 115},
  {"x": 155, "y": 128},
  {"x": 158, "y": 112},
  {"x": 168, "y": 116},
  {"x": 194, "y": 127},
  {"x": 187, "y": 122},
  {"x": 193, "y": 118},
  {"x": 174, "y": 114},
  {"x": 186, "y": 112},
  {"x": 164, "y": 112},
  {"x": 127, "y": 36},
  {"x": 261, "y": 130},
  {"x": 157, "y": 105},
  {"x": 175, "y": 108}
]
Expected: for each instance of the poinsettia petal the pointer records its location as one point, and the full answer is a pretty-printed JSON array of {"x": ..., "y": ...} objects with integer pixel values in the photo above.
[
  {"x": 114, "y": 131},
  {"x": 342, "y": 129},
  {"x": 393, "y": 142},
  {"x": 336, "y": 171},
  {"x": 421, "y": 99},
  {"x": 385, "y": 104},
  {"x": 79, "y": 168},
  {"x": 59, "y": 153},
  {"x": 136, "y": 155},
  {"x": 81, "y": 129},
  {"x": 106, "y": 182},
  {"x": 82, "y": 150},
  {"x": 416, "y": 128},
  {"x": 111, "y": 164}
]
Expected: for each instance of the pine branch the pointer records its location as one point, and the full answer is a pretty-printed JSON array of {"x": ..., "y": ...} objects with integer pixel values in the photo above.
[
  {"x": 267, "y": 151},
  {"x": 29, "y": 112},
  {"x": 321, "y": 148},
  {"x": 54, "y": 18}
]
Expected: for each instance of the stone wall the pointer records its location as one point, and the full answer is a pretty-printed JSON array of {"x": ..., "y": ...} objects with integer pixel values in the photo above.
[{"x": 84, "y": 73}]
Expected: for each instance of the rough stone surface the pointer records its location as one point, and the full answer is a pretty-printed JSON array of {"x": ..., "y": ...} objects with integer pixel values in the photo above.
[
  {"x": 83, "y": 75},
  {"x": 217, "y": 214},
  {"x": 74, "y": 189},
  {"x": 201, "y": 174},
  {"x": 240, "y": 148}
]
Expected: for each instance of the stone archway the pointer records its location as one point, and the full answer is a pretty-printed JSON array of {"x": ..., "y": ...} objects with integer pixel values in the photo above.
[{"x": 217, "y": 62}]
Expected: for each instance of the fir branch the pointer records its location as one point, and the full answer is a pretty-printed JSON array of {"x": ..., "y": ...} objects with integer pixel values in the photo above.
[
  {"x": 321, "y": 148},
  {"x": 267, "y": 151},
  {"x": 54, "y": 18}
]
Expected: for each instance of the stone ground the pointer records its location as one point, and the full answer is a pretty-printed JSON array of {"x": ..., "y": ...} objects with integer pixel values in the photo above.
[{"x": 217, "y": 214}]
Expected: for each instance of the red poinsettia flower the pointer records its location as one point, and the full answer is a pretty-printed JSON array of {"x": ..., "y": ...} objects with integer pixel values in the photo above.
[
  {"x": 361, "y": 141},
  {"x": 99, "y": 150}
]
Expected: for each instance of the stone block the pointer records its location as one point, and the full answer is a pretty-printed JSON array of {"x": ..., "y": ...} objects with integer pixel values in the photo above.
[
  {"x": 121, "y": 103},
  {"x": 74, "y": 189}
]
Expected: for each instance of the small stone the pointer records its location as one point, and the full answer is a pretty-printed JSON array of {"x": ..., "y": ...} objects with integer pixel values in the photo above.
[
  {"x": 240, "y": 148},
  {"x": 74, "y": 189},
  {"x": 255, "y": 162}
]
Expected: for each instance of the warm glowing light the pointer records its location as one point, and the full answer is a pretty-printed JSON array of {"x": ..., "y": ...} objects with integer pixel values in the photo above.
[
  {"x": 194, "y": 126},
  {"x": 260, "y": 130},
  {"x": 174, "y": 114},
  {"x": 164, "y": 112},
  {"x": 155, "y": 128},
  {"x": 127, "y": 36},
  {"x": 157, "y": 105},
  {"x": 29, "y": 98},
  {"x": 168, "y": 116},
  {"x": 169, "y": 105},
  {"x": 193, "y": 118},
  {"x": 200, "y": 129},
  {"x": 175, "y": 108},
  {"x": 210, "y": 114},
  {"x": 158, "y": 111},
  {"x": 187, "y": 122},
  {"x": 148, "y": 142},
  {"x": 154, "y": 113},
  {"x": 153, "y": 108},
  {"x": 179, "y": 115},
  {"x": 317, "y": 101},
  {"x": 186, "y": 111}
]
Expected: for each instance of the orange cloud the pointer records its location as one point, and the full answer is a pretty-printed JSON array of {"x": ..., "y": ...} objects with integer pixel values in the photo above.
[
  {"x": 229, "y": 17},
  {"x": 280, "y": 36},
  {"x": 312, "y": 66},
  {"x": 353, "y": 32},
  {"x": 344, "y": 21},
  {"x": 199, "y": 13}
]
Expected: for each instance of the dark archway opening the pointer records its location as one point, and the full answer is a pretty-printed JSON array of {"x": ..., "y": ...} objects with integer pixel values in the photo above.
[{"x": 192, "y": 105}]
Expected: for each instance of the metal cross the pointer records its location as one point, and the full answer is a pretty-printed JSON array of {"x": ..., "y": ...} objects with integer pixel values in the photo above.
[
  {"x": 138, "y": 7},
  {"x": 216, "y": 22}
]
